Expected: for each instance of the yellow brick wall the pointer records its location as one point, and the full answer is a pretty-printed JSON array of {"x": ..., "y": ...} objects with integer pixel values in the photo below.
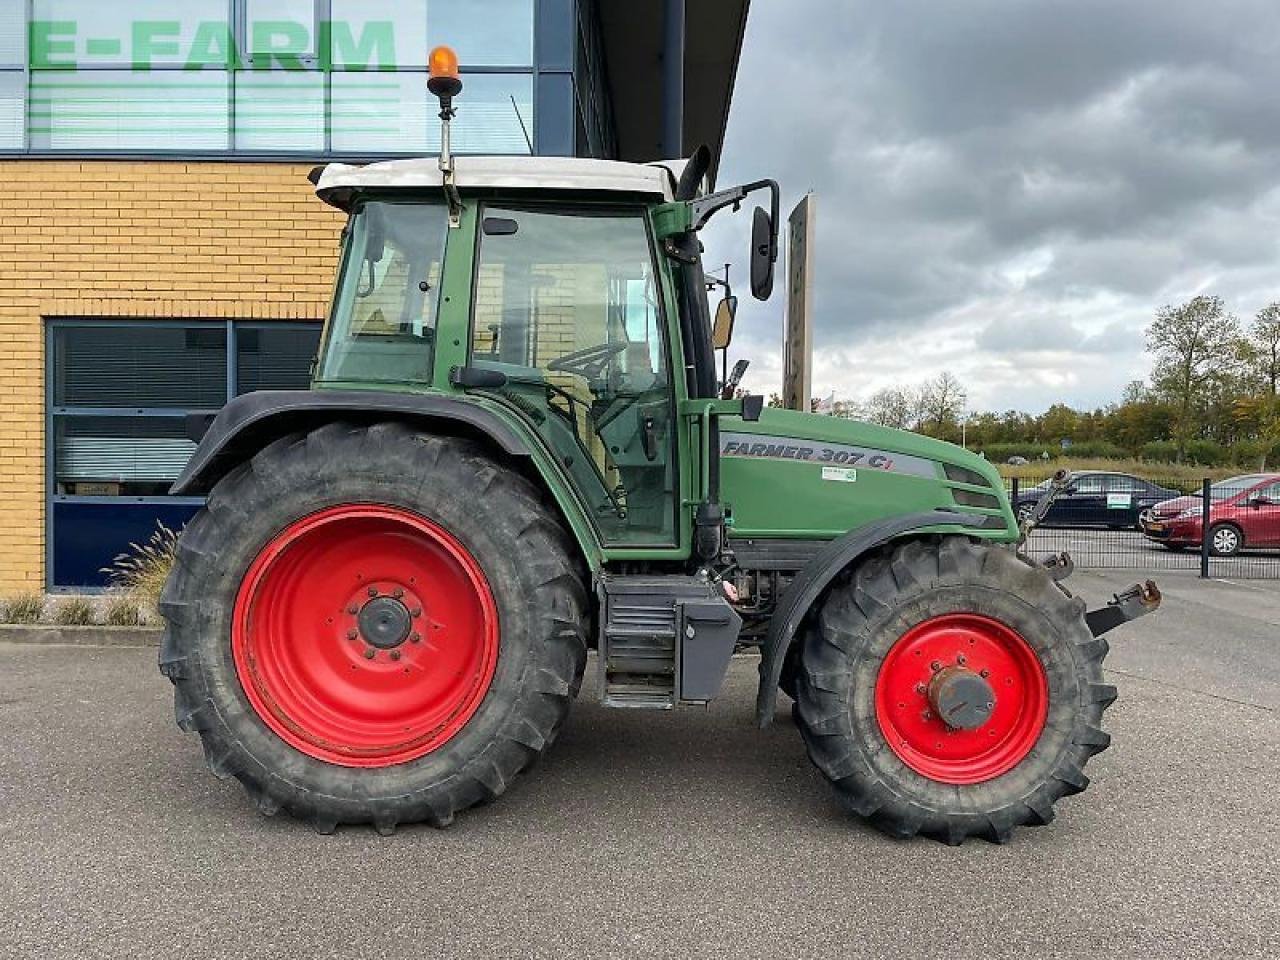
[{"x": 126, "y": 239}]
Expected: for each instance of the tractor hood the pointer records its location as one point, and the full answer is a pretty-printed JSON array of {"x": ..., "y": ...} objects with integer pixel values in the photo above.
[{"x": 800, "y": 475}]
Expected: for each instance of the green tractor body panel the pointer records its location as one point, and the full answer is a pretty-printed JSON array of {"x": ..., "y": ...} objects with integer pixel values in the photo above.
[{"x": 800, "y": 475}]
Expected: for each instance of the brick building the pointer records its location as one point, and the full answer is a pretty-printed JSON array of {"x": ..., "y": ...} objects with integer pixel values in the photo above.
[{"x": 162, "y": 249}]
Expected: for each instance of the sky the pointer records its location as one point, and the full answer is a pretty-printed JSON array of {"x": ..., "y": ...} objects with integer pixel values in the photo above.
[{"x": 1006, "y": 189}]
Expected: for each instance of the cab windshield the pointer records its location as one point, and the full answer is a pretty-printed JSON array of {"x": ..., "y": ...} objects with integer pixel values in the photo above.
[{"x": 382, "y": 327}]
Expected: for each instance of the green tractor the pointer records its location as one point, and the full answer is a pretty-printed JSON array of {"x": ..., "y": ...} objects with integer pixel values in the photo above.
[{"x": 516, "y": 449}]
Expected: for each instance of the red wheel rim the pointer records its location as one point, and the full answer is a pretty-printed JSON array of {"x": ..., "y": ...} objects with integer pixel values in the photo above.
[
  {"x": 365, "y": 635},
  {"x": 987, "y": 648}
]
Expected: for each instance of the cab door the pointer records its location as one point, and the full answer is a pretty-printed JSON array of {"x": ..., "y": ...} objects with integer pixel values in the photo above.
[{"x": 568, "y": 308}]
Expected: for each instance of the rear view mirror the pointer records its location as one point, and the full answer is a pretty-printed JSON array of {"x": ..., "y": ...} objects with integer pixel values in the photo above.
[
  {"x": 722, "y": 330},
  {"x": 763, "y": 245}
]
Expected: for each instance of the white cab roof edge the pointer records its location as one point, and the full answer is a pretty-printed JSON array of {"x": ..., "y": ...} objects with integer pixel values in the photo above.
[{"x": 655, "y": 180}]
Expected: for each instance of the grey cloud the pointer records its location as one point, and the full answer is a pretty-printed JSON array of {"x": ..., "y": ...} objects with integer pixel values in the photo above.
[{"x": 1137, "y": 144}]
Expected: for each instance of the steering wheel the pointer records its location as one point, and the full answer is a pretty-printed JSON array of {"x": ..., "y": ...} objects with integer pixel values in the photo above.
[{"x": 589, "y": 363}]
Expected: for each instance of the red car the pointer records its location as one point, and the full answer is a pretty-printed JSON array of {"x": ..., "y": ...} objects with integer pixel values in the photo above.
[{"x": 1243, "y": 512}]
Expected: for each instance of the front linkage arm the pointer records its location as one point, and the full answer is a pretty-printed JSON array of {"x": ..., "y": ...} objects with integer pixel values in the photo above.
[
  {"x": 1137, "y": 601},
  {"x": 1057, "y": 484}
]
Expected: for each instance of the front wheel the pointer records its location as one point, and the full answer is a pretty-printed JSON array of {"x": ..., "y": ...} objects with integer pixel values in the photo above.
[
  {"x": 1225, "y": 540},
  {"x": 951, "y": 689}
]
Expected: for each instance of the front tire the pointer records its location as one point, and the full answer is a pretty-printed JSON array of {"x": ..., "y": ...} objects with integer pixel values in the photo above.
[
  {"x": 1225, "y": 540},
  {"x": 370, "y": 624},
  {"x": 927, "y": 615}
]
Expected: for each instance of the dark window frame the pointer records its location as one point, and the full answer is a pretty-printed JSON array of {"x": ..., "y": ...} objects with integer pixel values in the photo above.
[{"x": 53, "y": 413}]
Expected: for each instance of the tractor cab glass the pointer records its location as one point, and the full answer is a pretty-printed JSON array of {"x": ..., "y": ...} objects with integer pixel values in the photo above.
[
  {"x": 567, "y": 307},
  {"x": 382, "y": 328}
]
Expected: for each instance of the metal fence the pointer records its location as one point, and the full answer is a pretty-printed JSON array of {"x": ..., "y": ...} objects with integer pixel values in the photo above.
[{"x": 1107, "y": 521}]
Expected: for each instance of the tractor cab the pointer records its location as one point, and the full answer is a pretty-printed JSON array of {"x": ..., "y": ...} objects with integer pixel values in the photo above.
[{"x": 550, "y": 286}]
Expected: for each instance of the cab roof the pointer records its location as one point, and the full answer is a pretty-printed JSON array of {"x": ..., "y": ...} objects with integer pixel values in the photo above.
[{"x": 338, "y": 183}]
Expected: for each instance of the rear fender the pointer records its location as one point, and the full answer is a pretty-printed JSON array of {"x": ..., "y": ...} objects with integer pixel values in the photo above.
[
  {"x": 814, "y": 578},
  {"x": 250, "y": 422}
]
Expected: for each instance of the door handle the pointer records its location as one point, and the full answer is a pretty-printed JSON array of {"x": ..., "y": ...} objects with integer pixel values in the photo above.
[{"x": 647, "y": 439}]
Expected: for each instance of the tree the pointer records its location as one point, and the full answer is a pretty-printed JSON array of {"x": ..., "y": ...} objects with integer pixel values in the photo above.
[
  {"x": 1196, "y": 347},
  {"x": 890, "y": 407},
  {"x": 942, "y": 400},
  {"x": 1264, "y": 343}
]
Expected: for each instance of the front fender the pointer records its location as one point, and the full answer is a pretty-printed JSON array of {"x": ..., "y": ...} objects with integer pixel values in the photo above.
[
  {"x": 818, "y": 573},
  {"x": 250, "y": 422}
]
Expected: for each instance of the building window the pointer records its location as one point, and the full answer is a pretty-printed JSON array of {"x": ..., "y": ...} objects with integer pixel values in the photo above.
[
  {"x": 263, "y": 77},
  {"x": 118, "y": 396}
]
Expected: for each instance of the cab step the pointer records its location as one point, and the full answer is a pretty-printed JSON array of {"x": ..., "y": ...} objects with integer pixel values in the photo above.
[{"x": 663, "y": 640}]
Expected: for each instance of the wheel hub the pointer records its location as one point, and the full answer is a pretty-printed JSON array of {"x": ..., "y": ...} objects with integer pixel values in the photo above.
[
  {"x": 937, "y": 704},
  {"x": 962, "y": 699},
  {"x": 365, "y": 635},
  {"x": 384, "y": 622}
]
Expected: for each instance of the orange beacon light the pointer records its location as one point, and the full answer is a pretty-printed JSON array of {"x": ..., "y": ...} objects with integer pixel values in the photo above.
[{"x": 444, "y": 82}]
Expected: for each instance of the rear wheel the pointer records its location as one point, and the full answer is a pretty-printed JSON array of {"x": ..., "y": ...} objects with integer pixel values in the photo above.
[
  {"x": 373, "y": 625},
  {"x": 950, "y": 689}
]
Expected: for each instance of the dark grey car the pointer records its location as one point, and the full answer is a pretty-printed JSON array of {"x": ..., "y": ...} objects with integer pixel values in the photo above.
[{"x": 1097, "y": 498}]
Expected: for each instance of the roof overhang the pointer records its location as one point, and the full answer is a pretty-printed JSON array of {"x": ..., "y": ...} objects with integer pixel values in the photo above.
[
  {"x": 633, "y": 49},
  {"x": 338, "y": 183}
]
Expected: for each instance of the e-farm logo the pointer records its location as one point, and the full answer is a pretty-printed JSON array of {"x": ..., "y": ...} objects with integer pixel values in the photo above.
[{"x": 268, "y": 45}]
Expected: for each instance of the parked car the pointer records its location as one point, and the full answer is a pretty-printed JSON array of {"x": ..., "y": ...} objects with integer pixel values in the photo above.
[
  {"x": 1097, "y": 498},
  {"x": 1244, "y": 512},
  {"x": 1016, "y": 461}
]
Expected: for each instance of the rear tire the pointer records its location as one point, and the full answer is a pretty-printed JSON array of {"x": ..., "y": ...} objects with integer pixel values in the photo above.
[
  {"x": 864, "y": 693},
  {"x": 284, "y": 673}
]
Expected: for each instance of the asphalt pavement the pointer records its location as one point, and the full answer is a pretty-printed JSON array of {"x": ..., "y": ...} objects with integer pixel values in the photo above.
[{"x": 682, "y": 834}]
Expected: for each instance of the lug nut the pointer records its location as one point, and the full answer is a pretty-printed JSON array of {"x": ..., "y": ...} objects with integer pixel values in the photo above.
[
  {"x": 921, "y": 688},
  {"x": 373, "y": 591},
  {"x": 935, "y": 666},
  {"x": 984, "y": 672},
  {"x": 352, "y": 634},
  {"x": 395, "y": 654},
  {"x": 370, "y": 653},
  {"x": 415, "y": 638},
  {"x": 353, "y": 609},
  {"x": 415, "y": 612},
  {"x": 398, "y": 592},
  {"x": 960, "y": 660}
]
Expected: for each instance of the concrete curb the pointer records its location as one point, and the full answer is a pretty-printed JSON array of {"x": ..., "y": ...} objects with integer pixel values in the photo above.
[{"x": 95, "y": 636}]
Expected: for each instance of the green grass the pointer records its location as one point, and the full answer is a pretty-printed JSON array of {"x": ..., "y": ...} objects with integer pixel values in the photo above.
[
  {"x": 23, "y": 608},
  {"x": 122, "y": 611},
  {"x": 73, "y": 612},
  {"x": 1169, "y": 474}
]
